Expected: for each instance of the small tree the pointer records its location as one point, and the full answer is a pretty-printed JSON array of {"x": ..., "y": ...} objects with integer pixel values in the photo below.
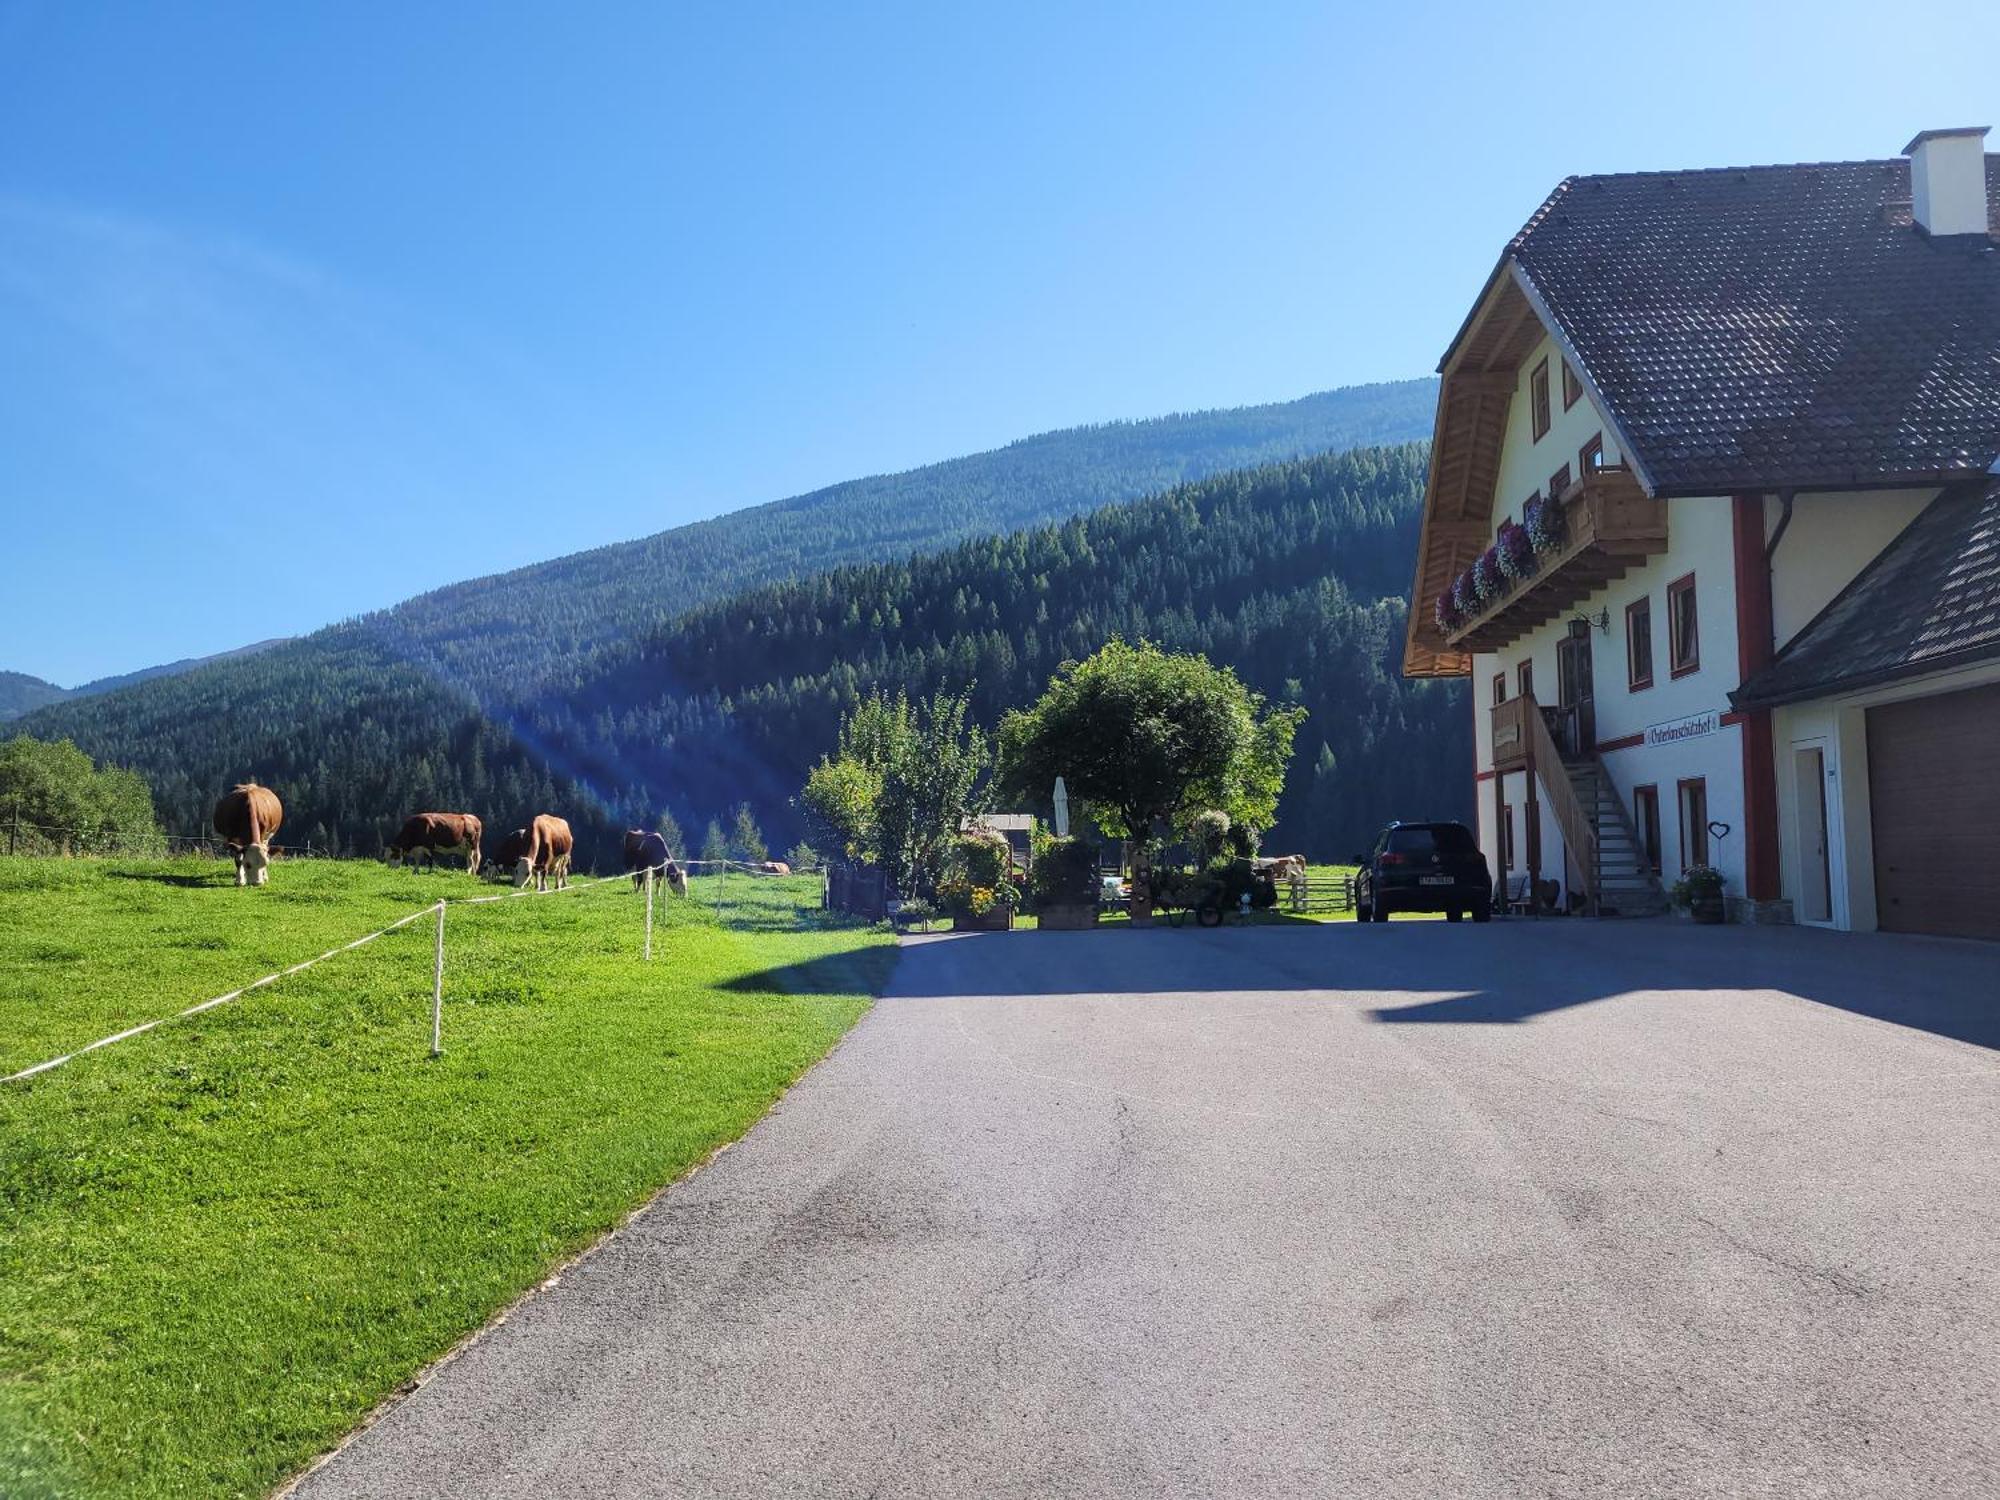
[
  {"x": 714, "y": 844},
  {"x": 802, "y": 856},
  {"x": 900, "y": 784},
  {"x": 670, "y": 830},
  {"x": 746, "y": 839},
  {"x": 1146, "y": 739}
]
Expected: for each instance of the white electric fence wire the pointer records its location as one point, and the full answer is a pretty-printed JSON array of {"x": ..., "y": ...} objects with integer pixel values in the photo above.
[
  {"x": 649, "y": 916},
  {"x": 437, "y": 974}
]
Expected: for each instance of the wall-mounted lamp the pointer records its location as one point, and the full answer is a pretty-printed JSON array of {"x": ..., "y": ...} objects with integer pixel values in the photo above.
[{"x": 1602, "y": 620}]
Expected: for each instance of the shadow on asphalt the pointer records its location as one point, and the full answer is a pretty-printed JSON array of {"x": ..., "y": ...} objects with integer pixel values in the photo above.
[{"x": 1501, "y": 974}]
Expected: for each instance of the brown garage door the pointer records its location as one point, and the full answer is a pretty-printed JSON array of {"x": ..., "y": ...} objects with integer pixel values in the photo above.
[{"x": 1934, "y": 792}]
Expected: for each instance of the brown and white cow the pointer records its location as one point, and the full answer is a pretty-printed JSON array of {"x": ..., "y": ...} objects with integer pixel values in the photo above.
[
  {"x": 648, "y": 851},
  {"x": 247, "y": 817},
  {"x": 548, "y": 853},
  {"x": 774, "y": 867},
  {"x": 433, "y": 833}
]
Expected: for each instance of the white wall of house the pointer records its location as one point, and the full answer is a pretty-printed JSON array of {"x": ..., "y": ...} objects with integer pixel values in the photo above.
[
  {"x": 1832, "y": 537},
  {"x": 1700, "y": 542},
  {"x": 1527, "y": 465}
]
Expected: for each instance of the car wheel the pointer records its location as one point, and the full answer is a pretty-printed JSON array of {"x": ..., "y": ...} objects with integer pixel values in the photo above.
[
  {"x": 1482, "y": 911},
  {"x": 1379, "y": 912},
  {"x": 1453, "y": 914}
]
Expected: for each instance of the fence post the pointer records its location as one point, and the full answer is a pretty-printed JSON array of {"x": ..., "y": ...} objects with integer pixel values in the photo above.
[
  {"x": 437, "y": 989},
  {"x": 649, "y": 914}
]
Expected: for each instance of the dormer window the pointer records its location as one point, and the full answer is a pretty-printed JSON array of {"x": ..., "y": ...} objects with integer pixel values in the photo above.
[{"x": 1538, "y": 399}]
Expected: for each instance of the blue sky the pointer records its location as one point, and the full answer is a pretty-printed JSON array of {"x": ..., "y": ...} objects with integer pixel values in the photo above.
[{"x": 304, "y": 309}]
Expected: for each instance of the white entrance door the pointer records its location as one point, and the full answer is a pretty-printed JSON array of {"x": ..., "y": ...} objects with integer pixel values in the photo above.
[{"x": 1815, "y": 868}]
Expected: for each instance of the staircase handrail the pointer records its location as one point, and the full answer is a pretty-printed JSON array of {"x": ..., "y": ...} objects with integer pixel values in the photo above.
[{"x": 1579, "y": 837}]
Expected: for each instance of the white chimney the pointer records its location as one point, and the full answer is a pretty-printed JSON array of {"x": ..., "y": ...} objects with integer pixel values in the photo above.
[{"x": 1948, "y": 180}]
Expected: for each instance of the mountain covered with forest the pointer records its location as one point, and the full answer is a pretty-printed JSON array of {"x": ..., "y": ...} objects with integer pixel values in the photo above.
[
  {"x": 689, "y": 707},
  {"x": 1290, "y": 572},
  {"x": 497, "y": 635},
  {"x": 21, "y": 693}
]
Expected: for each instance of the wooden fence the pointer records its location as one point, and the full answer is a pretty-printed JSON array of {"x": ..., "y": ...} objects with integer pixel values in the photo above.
[{"x": 1318, "y": 895}]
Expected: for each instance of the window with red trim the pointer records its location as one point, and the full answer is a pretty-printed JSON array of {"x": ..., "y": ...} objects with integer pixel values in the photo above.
[
  {"x": 1683, "y": 627},
  {"x": 1538, "y": 397},
  {"x": 1559, "y": 482},
  {"x": 1499, "y": 687},
  {"x": 1572, "y": 387},
  {"x": 1590, "y": 457},
  {"x": 1639, "y": 644},
  {"x": 1524, "y": 679}
]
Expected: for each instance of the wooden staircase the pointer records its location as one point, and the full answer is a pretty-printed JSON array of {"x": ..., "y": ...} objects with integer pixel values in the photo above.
[{"x": 1624, "y": 885}]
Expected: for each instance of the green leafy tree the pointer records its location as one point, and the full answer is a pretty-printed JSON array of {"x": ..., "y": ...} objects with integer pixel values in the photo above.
[
  {"x": 746, "y": 839},
  {"x": 1147, "y": 738},
  {"x": 901, "y": 783},
  {"x": 802, "y": 856},
  {"x": 714, "y": 844},
  {"x": 670, "y": 830},
  {"x": 56, "y": 786}
]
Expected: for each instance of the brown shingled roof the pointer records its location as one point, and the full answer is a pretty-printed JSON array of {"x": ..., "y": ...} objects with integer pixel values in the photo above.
[
  {"x": 1930, "y": 601},
  {"x": 1775, "y": 327}
]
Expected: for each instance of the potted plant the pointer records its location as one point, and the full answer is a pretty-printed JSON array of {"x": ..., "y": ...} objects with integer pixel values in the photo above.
[
  {"x": 1064, "y": 885},
  {"x": 1699, "y": 893},
  {"x": 980, "y": 892}
]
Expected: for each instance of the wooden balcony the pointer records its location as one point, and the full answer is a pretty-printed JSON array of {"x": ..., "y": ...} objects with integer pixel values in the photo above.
[{"x": 1610, "y": 526}]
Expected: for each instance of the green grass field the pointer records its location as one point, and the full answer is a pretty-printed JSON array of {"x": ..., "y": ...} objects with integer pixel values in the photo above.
[{"x": 224, "y": 1241}]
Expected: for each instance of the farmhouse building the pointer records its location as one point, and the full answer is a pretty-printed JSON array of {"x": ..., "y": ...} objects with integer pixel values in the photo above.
[{"x": 1713, "y": 526}]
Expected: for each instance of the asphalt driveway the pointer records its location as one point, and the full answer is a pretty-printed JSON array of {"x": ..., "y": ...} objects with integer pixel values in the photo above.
[{"x": 1521, "y": 1209}]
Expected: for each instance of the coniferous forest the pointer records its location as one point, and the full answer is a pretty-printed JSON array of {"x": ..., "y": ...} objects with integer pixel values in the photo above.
[{"x": 1292, "y": 573}]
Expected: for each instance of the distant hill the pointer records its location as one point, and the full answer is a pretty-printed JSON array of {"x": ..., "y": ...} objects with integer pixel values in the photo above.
[
  {"x": 20, "y": 693},
  {"x": 439, "y": 702},
  {"x": 499, "y": 635}
]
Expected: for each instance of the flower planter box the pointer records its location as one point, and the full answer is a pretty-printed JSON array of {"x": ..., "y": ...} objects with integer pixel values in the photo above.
[
  {"x": 1000, "y": 919},
  {"x": 1708, "y": 910},
  {"x": 1066, "y": 918}
]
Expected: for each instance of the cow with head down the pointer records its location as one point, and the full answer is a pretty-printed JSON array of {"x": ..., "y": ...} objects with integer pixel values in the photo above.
[
  {"x": 547, "y": 855},
  {"x": 430, "y": 834},
  {"x": 507, "y": 854},
  {"x": 247, "y": 817},
  {"x": 648, "y": 851}
]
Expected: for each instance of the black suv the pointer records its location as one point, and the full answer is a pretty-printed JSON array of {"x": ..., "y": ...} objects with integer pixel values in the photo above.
[{"x": 1424, "y": 867}]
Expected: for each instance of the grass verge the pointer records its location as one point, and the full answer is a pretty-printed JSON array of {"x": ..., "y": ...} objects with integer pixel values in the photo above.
[{"x": 223, "y": 1242}]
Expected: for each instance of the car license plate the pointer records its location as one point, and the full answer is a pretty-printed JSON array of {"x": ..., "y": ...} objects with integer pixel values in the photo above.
[{"x": 1434, "y": 880}]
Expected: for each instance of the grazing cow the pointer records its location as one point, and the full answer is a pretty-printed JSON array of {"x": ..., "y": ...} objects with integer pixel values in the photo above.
[
  {"x": 774, "y": 867},
  {"x": 508, "y": 855},
  {"x": 246, "y": 818},
  {"x": 648, "y": 851},
  {"x": 549, "y": 848},
  {"x": 433, "y": 833},
  {"x": 1290, "y": 868}
]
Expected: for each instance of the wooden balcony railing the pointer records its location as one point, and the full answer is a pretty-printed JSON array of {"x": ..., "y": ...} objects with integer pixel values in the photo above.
[{"x": 1610, "y": 526}]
